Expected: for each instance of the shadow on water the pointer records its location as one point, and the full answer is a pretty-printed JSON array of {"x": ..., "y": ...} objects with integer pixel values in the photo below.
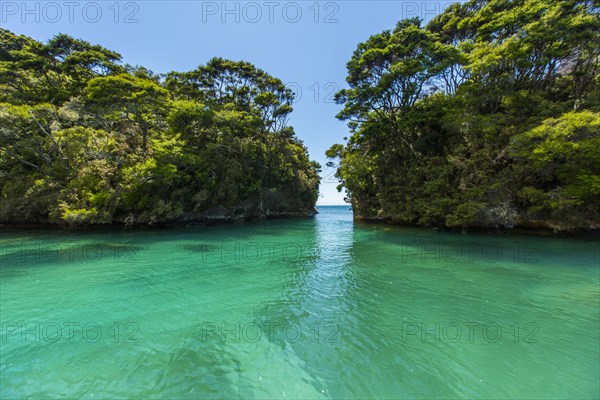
[{"x": 23, "y": 258}]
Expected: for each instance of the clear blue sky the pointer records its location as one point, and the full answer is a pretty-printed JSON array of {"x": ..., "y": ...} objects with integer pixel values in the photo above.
[{"x": 304, "y": 43}]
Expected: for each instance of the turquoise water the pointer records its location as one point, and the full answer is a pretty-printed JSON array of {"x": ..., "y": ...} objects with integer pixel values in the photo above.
[{"x": 307, "y": 308}]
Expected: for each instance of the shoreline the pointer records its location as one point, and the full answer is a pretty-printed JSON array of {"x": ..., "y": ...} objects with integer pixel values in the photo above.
[
  {"x": 197, "y": 222},
  {"x": 236, "y": 221},
  {"x": 521, "y": 229}
]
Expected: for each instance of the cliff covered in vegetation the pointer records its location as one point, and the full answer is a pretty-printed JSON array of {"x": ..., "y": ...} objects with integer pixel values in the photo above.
[
  {"x": 86, "y": 140},
  {"x": 488, "y": 116}
]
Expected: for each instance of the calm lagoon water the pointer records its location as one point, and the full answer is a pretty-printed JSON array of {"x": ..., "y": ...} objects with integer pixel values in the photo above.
[{"x": 307, "y": 308}]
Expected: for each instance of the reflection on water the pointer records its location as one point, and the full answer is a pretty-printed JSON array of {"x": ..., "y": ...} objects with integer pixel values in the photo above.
[{"x": 307, "y": 308}]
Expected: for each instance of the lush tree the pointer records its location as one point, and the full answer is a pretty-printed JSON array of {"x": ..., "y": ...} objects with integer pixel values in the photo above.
[
  {"x": 86, "y": 140},
  {"x": 560, "y": 167},
  {"x": 469, "y": 121},
  {"x": 222, "y": 82}
]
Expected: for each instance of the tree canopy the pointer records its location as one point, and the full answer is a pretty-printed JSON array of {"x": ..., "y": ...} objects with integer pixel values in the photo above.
[
  {"x": 485, "y": 117},
  {"x": 85, "y": 139}
]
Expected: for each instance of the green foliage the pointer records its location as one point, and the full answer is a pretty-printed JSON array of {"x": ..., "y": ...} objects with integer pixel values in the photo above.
[
  {"x": 488, "y": 116},
  {"x": 85, "y": 140},
  {"x": 564, "y": 159},
  {"x": 238, "y": 85}
]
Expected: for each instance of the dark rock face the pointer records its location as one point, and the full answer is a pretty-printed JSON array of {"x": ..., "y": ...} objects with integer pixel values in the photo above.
[
  {"x": 242, "y": 213},
  {"x": 504, "y": 219}
]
